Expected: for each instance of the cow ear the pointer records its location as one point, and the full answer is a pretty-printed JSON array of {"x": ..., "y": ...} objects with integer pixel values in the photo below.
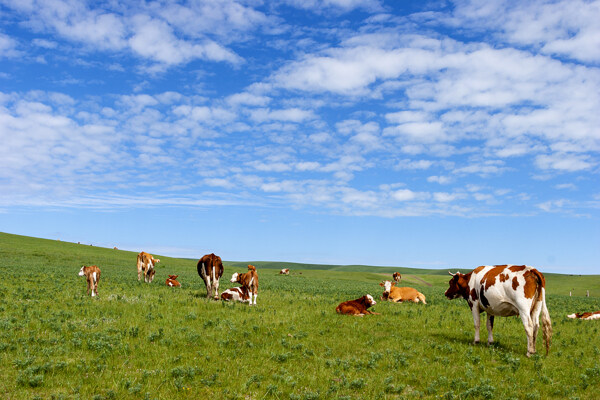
[{"x": 381, "y": 284}]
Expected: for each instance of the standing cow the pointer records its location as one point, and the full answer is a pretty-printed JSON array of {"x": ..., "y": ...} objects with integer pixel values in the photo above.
[
  {"x": 210, "y": 269},
  {"x": 92, "y": 276},
  {"x": 248, "y": 280},
  {"x": 397, "y": 276},
  {"x": 146, "y": 264},
  {"x": 505, "y": 290}
]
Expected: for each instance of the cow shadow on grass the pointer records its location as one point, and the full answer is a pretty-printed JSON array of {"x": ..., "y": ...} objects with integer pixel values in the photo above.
[{"x": 463, "y": 340}]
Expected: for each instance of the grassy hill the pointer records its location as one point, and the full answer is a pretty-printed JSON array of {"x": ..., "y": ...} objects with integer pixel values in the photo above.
[{"x": 148, "y": 341}]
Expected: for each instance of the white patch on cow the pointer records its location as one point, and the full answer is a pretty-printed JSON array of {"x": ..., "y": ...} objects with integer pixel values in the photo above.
[
  {"x": 81, "y": 272},
  {"x": 594, "y": 316},
  {"x": 371, "y": 300},
  {"x": 255, "y": 296},
  {"x": 387, "y": 285},
  {"x": 170, "y": 283},
  {"x": 572, "y": 316},
  {"x": 234, "y": 277}
]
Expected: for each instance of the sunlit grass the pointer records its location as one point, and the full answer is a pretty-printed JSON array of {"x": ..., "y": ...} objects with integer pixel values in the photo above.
[{"x": 143, "y": 341}]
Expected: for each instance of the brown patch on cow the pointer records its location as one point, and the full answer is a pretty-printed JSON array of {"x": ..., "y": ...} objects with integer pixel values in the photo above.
[
  {"x": 474, "y": 294},
  {"x": 478, "y": 269},
  {"x": 531, "y": 284},
  {"x": 515, "y": 283},
  {"x": 517, "y": 268},
  {"x": 504, "y": 277},
  {"x": 226, "y": 296},
  {"x": 490, "y": 277}
]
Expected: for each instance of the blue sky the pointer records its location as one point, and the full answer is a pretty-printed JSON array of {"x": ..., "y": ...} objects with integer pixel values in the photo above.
[{"x": 432, "y": 134}]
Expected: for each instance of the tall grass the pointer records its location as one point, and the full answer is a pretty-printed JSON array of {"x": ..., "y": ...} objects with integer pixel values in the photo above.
[{"x": 148, "y": 341}]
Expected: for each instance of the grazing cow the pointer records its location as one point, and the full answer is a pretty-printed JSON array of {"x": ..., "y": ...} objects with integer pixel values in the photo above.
[
  {"x": 249, "y": 280},
  {"x": 240, "y": 294},
  {"x": 210, "y": 269},
  {"x": 285, "y": 271},
  {"x": 586, "y": 315},
  {"x": 172, "y": 281},
  {"x": 399, "y": 294},
  {"x": 92, "y": 275},
  {"x": 397, "y": 276},
  {"x": 358, "y": 307},
  {"x": 146, "y": 264},
  {"x": 503, "y": 291}
]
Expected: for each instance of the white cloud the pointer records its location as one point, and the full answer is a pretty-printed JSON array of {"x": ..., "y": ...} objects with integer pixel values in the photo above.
[
  {"x": 564, "y": 162},
  {"x": 286, "y": 115}
]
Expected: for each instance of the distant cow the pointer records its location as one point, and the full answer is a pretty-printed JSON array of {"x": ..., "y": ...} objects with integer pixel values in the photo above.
[
  {"x": 505, "y": 290},
  {"x": 285, "y": 271},
  {"x": 146, "y": 264},
  {"x": 240, "y": 294},
  {"x": 585, "y": 315},
  {"x": 249, "y": 280},
  {"x": 397, "y": 276},
  {"x": 210, "y": 269},
  {"x": 358, "y": 307},
  {"x": 172, "y": 281},
  {"x": 400, "y": 294},
  {"x": 92, "y": 275}
]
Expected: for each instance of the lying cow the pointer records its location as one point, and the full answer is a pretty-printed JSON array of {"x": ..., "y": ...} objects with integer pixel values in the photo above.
[
  {"x": 399, "y": 294},
  {"x": 505, "y": 290},
  {"x": 397, "y": 276},
  {"x": 92, "y": 275},
  {"x": 358, "y": 307},
  {"x": 240, "y": 294},
  {"x": 285, "y": 271},
  {"x": 146, "y": 264},
  {"x": 586, "y": 315},
  {"x": 248, "y": 280},
  {"x": 172, "y": 281}
]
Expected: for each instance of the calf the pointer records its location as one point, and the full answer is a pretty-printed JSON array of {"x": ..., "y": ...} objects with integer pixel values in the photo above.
[
  {"x": 399, "y": 294},
  {"x": 585, "y": 315},
  {"x": 92, "y": 275},
  {"x": 240, "y": 294},
  {"x": 358, "y": 307},
  {"x": 505, "y": 290},
  {"x": 397, "y": 276},
  {"x": 249, "y": 280},
  {"x": 171, "y": 281},
  {"x": 285, "y": 271},
  {"x": 146, "y": 264}
]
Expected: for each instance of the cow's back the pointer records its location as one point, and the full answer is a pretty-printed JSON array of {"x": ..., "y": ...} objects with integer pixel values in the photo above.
[{"x": 207, "y": 264}]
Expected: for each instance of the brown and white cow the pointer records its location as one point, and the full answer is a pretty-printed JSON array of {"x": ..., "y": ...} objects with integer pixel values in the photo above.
[
  {"x": 92, "y": 275},
  {"x": 172, "y": 281},
  {"x": 210, "y": 269},
  {"x": 249, "y": 280},
  {"x": 503, "y": 291},
  {"x": 358, "y": 307},
  {"x": 400, "y": 294},
  {"x": 397, "y": 276},
  {"x": 585, "y": 315},
  {"x": 240, "y": 294},
  {"x": 146, "y": 264},
  {"x": 285, "y": 271}
]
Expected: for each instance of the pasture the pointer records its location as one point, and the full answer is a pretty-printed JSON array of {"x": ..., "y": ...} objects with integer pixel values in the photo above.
[{"x": 149, "y": 341}]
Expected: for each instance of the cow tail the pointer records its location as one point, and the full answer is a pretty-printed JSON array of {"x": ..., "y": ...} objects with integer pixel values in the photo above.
[{"x": 546, "y": 322}]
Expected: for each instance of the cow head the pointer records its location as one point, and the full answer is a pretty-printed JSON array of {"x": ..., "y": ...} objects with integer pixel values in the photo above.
[
  {"x": 387, "y": 285},
  {"x": 155, "y": 261},
  {"x": 459, "y": 286},
  {"x": 370, "y": 300},
  {"x": 173, "y": 277},
  {"x": 234, "y": 277},
  {"x": 151, "y": 274},
  {"x": 81, "y": 273}
]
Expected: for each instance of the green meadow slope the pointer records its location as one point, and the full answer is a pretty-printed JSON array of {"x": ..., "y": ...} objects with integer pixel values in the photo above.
[{"x": 148, "y": 341}]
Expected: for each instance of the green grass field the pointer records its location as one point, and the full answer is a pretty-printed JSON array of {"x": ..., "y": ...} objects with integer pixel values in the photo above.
[{"x": 148, "y": 341}]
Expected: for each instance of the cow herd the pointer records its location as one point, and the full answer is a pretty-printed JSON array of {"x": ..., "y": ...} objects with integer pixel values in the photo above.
[{"x": 499, "y": 291}]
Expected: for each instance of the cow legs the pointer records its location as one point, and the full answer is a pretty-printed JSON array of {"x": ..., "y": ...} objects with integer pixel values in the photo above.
[
  {"x": 476, "y": 323},
  {"x": 535, "y": 319},
  {"x": 490, "y": 326},
  {"x": 215, "y": 284},
  {"x": 528, "y": 325}
]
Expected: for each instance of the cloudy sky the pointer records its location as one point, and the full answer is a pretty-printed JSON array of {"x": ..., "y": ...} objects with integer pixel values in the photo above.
[{"x": 435, "y": 134}]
